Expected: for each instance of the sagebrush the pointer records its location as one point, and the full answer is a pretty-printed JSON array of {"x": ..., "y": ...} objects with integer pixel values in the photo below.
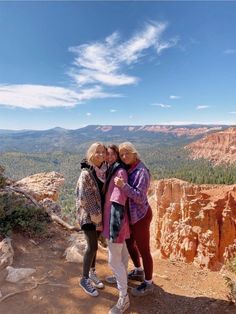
[{"x": 16, "y": 214}]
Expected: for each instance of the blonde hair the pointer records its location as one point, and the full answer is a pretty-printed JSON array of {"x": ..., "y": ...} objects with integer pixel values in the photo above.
[
  {"x": 92, "y": 150},
  {"x": 130, "y": 148}
]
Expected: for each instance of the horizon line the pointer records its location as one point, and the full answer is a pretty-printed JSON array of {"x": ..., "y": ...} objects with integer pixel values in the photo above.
[{"x": 127, "y": 125}]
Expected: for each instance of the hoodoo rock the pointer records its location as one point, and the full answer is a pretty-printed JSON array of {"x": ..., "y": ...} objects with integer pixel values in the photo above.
[{"x": 195, "y": 223}]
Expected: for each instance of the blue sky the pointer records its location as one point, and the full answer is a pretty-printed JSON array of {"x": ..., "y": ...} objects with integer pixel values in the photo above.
[{"x": 72, "y": 64}]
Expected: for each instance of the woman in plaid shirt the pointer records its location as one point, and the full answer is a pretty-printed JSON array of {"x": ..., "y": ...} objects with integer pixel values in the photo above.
[
  {"x": 89, "y": 203},
  {"x": 140, "y": 217}
]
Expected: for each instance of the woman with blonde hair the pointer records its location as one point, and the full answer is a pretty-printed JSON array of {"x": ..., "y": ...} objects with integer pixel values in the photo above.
[
  {"x": 89, "y": 203},
  {"x": 140, "y": 217}
]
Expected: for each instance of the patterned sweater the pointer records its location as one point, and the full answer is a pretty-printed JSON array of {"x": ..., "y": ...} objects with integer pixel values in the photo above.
[
  {"x": 88, "y": 200},
  {"x": 136, "y": 190}
]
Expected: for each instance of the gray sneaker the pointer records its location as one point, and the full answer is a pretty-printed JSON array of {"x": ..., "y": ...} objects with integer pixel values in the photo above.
[
  {"x": 111, "y": 280},
  {"x": 121, "y": 306},
  {"x": 137, "y": 275},
  {"x": 96, "y": 281},
  {"x": 87, "y": 286},
  {"x": 143, "y": 289}
]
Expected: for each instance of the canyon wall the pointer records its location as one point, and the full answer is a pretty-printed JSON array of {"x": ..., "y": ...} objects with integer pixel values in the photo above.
[
  {"x": 195, "y": 223},
  {"x": 218, "y": 147}
]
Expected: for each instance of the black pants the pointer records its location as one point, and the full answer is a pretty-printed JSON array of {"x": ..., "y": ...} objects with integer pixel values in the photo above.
[{"x": 91, "y": 236}]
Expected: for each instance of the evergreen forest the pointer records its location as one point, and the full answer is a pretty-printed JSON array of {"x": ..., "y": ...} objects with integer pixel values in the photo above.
[{"x": 164, "y": 161}]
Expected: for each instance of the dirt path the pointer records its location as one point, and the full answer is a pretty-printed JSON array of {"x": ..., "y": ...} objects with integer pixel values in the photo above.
[{"x": 179, "y": 288}]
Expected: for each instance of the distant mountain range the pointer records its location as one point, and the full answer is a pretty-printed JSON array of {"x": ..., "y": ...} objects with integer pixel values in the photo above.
[{"x": 59, "y": 139}]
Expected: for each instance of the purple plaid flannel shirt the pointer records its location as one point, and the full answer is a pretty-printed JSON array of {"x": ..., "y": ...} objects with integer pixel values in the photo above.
[{"x": 136, "y": 190}]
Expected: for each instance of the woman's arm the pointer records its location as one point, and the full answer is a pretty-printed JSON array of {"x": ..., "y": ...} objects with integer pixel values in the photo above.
[
  {"x": 118, "y": 195},
  {"x": 138, "y": 191}
]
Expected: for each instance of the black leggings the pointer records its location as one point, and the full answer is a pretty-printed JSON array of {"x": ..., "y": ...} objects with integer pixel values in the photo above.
[{"x": 91, "y": 236}]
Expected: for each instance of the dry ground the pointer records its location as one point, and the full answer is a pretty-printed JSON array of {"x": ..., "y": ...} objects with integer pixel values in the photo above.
[{"x": 179, "y": 288}]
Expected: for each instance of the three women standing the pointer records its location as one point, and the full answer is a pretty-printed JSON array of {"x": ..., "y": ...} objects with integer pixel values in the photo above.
[{"x": 114, "y": 220}]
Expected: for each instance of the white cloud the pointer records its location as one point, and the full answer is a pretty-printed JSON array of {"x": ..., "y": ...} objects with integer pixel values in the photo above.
[
  {"x": 39, "y": 96},
  {"x": 200, "y": 107},
  {"x": 90, "y": 76},
  {"x": 113, "y": 110},
  {"x": 166, "y": 45},
  {"x": 174, "y": 97},
  {"x": 132, "y": 50},
  {"x": 88, "y": 114},
  {"x": 96, "y": 65},
  {"x": 232, "y": 112},
  {"x": 161, "y": 105},
  {"x": 106, "y": 62},
  {"x": 229, "y": 51}
]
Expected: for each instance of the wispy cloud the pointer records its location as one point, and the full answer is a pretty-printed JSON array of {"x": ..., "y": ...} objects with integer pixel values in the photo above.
[
  {"x": 232, "y": 112},
  {"x": 39, "y": 96},
  {"x": 88, "y": 114},
  {"x": 97, "y": 66},
  {"x": 200, "y": 107},
  {"x": 107, "y": 62},
  {"x": 174, "y": 97},
  {"x": 166, "y": 45},
  {"x": 229, "y": 51},
  {"x": 161, "y": 105},
  {"x": 113, "y": 110}
]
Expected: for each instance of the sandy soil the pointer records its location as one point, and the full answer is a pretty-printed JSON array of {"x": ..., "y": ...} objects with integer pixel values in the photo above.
[{"x": 179, "y": 288}]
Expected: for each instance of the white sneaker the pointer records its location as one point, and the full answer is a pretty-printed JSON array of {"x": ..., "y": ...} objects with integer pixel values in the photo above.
[
  {"x": 97, "y": 282},
  {"x": 121, "y": 306}
]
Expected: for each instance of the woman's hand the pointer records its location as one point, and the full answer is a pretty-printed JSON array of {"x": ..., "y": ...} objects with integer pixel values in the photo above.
[
  {"x": 96, "y": 219},
  {"x": 119, "y": 182}
]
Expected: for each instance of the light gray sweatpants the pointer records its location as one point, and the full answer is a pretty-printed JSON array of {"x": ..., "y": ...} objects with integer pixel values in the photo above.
[{"x": 118, "y": 261}]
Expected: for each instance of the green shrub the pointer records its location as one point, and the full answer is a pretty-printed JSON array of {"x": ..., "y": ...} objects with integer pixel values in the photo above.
[{"x": 18, "y": 215}]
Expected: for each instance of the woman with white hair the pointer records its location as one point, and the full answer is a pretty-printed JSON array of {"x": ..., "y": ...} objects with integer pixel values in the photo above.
[
  {"x": 89, "y": 203},
  {"x": 140, "y": 217}
]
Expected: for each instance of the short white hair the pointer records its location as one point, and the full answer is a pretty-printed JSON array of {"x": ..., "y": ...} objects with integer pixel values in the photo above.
[{"x": 130, "y": 148}]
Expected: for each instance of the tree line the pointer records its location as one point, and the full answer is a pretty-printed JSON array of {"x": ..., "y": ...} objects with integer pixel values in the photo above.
[{"x": 163, "y": 162}]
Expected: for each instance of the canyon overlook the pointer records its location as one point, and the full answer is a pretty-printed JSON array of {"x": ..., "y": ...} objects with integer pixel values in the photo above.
[{"x": 191, "y": 223}]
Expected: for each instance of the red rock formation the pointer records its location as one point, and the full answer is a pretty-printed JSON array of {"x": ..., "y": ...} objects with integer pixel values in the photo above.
[
  {"x": 195, "y": 223},
  {"x": 175, "y": 130},
  {"x": 42, "y": 185},
  {"x": 104, "y": 128},
  {"x": 219, "y": 147},
  {"x": 180, "y": 131}
]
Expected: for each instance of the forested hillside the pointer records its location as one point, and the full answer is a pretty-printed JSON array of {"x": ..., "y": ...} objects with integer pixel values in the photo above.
[
  {"x": 163, "y": 162},
  {"x": 23, "y": 153},
  {"x": 59, "y": 139}
]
